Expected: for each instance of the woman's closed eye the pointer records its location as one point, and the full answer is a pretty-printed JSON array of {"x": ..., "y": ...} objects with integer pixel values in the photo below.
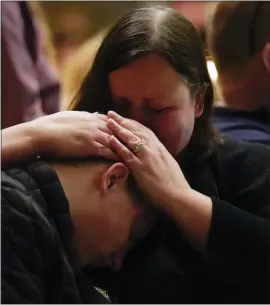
[{"x": 157, "y": 110}]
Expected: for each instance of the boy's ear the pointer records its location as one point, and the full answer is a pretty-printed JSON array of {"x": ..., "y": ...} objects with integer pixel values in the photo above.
[{"x": 115, "y": 176}]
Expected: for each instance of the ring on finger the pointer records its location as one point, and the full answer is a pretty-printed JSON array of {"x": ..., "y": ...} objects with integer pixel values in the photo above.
[{"x": 139, "y": 145}]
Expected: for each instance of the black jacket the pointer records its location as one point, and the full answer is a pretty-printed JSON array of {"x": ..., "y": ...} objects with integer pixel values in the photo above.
[
  {"x": 236, "y": 267},
  {"x": 252, "y": 126},
  {"x": 38, "y": 255}
]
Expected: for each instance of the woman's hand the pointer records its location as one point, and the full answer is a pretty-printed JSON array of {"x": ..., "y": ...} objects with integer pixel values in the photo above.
[
  {"x": 74, "y": 134},
  {"x": 63, "y": 134},
  {"x": 160, "y": 177},
  {"x": 155, "y": 170}
]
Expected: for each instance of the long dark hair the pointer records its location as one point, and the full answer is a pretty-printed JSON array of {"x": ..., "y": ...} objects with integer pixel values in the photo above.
[{"x": 161, "y": 30}]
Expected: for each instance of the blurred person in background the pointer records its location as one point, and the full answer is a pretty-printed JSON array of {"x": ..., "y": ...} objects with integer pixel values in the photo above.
[
  {"x": 238, "y": 36},
  {"x": 78, "y": 66},
  {"x": 194, "y": 11},
  {"x": 30, "y": 87},
  {"x": 45, "y": 32},
  {"x": 74, "y": 22},
  {"x": 213, "y": 242}
]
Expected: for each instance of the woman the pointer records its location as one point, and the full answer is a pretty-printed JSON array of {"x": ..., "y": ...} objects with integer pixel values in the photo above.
[{"x": 214, "y": 194}]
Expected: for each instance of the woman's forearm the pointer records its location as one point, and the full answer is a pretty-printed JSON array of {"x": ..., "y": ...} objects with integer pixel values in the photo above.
[
  {"x": 19, "y": 142},
  {"x": 192, "y": 212}
]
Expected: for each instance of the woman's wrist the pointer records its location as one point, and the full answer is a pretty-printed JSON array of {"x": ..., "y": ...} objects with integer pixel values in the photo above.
[
  {"x": 20, "y": 142},
  {"x": 179, "y": 201},
  {"x": 174, "y": 200},
  {"x": 192, "y": 212},
  {"x": 34, "y": 138}
]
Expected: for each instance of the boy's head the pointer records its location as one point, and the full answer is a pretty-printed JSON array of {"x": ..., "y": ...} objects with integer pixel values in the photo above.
[
  {"x": 238, "y": 37},
  {"x": 109, "y": 213}
]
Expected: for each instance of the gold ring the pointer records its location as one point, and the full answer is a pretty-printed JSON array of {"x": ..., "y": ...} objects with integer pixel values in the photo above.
[{"x": 139, "y": 146}]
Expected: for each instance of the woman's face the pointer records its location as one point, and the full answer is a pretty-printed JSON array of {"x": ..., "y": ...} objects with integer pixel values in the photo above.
[{"x": 150, "y": 91}]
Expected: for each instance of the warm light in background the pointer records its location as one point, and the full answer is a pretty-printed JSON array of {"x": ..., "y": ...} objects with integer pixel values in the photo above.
[{"x": 212, "y": 70}]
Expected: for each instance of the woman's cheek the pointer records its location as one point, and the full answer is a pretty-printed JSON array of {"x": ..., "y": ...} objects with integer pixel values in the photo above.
[
  {"x": 177, "y": 127},
  {"x": 169, "y": 131}
]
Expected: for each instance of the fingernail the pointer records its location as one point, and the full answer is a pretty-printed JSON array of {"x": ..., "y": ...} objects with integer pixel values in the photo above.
[{"x": 113, "y": 114}]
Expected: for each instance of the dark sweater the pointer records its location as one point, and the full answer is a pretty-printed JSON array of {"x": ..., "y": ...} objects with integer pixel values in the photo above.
[
  {"x": 236, "y": 266},
  {"x": 39, "y": 262},
  {"x": 251, "y": 126}
]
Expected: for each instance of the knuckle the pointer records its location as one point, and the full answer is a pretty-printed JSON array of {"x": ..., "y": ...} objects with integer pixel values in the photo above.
[
  {"x": 134, "y": 139},
  {"x": 86, "y": 137},
  {"x": 125, "y": 123},
  {"x": 129, "y": 156},
  {"x": 104, "y": 151}
]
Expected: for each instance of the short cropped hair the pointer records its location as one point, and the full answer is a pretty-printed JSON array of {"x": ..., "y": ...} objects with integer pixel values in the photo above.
[
  {"x": 236, "y": 31},
  {"x": 132, "y": 186}
]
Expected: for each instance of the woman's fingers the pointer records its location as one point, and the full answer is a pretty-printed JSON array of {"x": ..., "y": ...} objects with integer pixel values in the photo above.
[
  {"x": 123, "y": 152},
  {"x": 124, "y": 122},
  {"x": 115, "y": 116},
  {"x": 102, "y": 138},
  {"x": 104, "y": 151},
  {"x": 101, "y": 116},
  {"x": 123, "y": 134},
  {"x": 105, "y": 129}
]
